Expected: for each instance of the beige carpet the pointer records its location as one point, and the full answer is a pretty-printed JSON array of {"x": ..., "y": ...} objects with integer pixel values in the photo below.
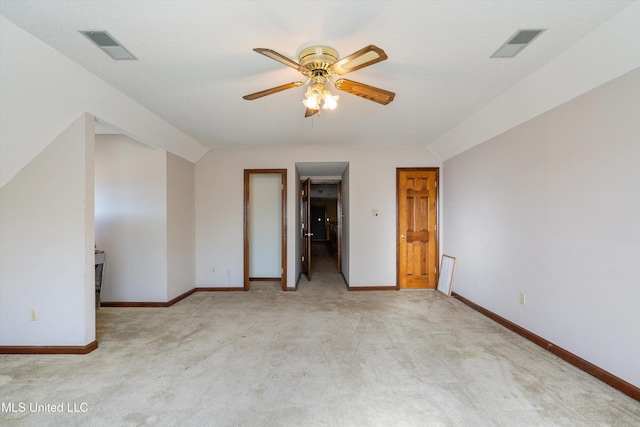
[{"x": 321, "y": 356}]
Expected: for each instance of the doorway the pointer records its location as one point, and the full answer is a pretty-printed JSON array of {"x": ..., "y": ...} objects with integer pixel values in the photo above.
[
  {"x": 318, "y": 223},
  {"x": 265, "y": 243},
  {"x": 320, "y": 173},
  {"x": 321, "y": 226}
]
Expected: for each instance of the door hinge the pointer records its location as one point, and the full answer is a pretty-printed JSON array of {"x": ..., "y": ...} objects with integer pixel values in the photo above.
[
  {"x": 282, "y": 186},
  {"x": 302, "y": 259},
  {"x": 435, "y": 270},
  {"x": 303, "y": 225},
  {"x": 282, "y": 271},
  {"x": 435, "y": 227}
]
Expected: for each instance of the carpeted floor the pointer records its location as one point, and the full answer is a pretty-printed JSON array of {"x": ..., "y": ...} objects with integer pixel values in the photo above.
[{"x": 321, "y": 356}]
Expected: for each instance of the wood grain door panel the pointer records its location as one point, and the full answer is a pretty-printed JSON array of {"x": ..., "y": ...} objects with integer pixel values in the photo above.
[{"x": 417, "y": 228}]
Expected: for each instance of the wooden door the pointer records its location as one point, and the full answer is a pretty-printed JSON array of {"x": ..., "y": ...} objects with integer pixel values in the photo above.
[
  {"x": 305, "y": 215},
  {"x": 416, "y": 241}
]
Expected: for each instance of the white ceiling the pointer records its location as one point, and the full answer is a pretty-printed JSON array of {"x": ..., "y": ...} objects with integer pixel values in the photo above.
[
  {"x": 195, "y": 60},
  {"x": 325, "y": 169}
]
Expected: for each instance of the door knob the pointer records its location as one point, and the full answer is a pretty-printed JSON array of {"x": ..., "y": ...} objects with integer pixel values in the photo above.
[
  {"x": 404, "y": 236},
  {"x": 309, "y": 234}
]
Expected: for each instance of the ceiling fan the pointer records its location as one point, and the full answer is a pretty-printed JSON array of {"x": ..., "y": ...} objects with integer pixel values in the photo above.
[{"x": 318, "y": 64}]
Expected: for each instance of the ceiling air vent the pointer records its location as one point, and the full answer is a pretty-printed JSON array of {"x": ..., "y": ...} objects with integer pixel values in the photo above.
[
  {"x": 516, "y": 43},
  {"x": 108, "y": 44}
]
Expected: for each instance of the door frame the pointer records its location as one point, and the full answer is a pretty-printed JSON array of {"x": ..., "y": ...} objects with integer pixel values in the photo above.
[
  {"x": 437, "y": 233},
  {"x": 247, "y": 222},
  {"x": 338, "y": 215}
]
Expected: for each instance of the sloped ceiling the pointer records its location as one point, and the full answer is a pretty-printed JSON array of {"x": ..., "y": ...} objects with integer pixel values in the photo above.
[{"x": 195, "y": 62}]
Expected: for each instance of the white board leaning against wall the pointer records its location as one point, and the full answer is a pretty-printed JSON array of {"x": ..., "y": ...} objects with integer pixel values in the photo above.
[{"x": 447, "y": 267}]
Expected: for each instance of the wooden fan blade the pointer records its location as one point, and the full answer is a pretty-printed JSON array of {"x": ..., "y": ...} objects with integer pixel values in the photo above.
[
  {"x": 273, "y": 90},
  {"x": 371, "y": 93},
  {"x": 360, "y": 59},
  {"x": 280, "y": 58},
  {"x": 310, "y": 112}
]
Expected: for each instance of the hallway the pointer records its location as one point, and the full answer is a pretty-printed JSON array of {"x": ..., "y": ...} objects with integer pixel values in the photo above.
[
  {"x": 323, "y": 259},
  {"x": 324, "y": 270}
]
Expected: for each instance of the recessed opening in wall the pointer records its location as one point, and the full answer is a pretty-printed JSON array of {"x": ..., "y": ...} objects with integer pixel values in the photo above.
[
  {"x": 321, "y": 217},
  {"x": 324, "y": 225},
  {"x": 131, "y": 220}
]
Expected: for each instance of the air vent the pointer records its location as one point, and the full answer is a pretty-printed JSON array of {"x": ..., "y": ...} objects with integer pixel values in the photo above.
[
  {"x": 516, "y": 43},
  {"x": 108, "y": 44}
]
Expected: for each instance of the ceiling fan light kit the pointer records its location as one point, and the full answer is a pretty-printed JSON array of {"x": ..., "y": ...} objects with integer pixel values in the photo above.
[
  {"x": 318, "y": 96},
  {"x": 318, "y": 64}
]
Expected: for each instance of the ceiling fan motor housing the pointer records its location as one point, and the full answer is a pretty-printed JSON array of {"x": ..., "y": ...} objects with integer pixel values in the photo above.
[{"x": 318, "y": 58}]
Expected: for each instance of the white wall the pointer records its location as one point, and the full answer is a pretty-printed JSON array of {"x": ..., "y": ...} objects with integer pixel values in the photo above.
[
  {"x": 42, "y": 156},
  {"x": 46, "y": 249},
  {"x": 37, "y": 81},
  {"x": 265, "y": 225},
  {"x": 181, "y": 238},
  {"x": 551, "y": 208},
  {"x": 131, "y": 218},
  {"x": 371, "y": 185},
  {"x": 614, "y": 45}
]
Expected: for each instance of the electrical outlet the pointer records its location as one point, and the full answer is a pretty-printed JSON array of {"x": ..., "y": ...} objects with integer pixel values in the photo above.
[
  {"x": 33, "y": 314},
  {"x": 522, "y": 298}
]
